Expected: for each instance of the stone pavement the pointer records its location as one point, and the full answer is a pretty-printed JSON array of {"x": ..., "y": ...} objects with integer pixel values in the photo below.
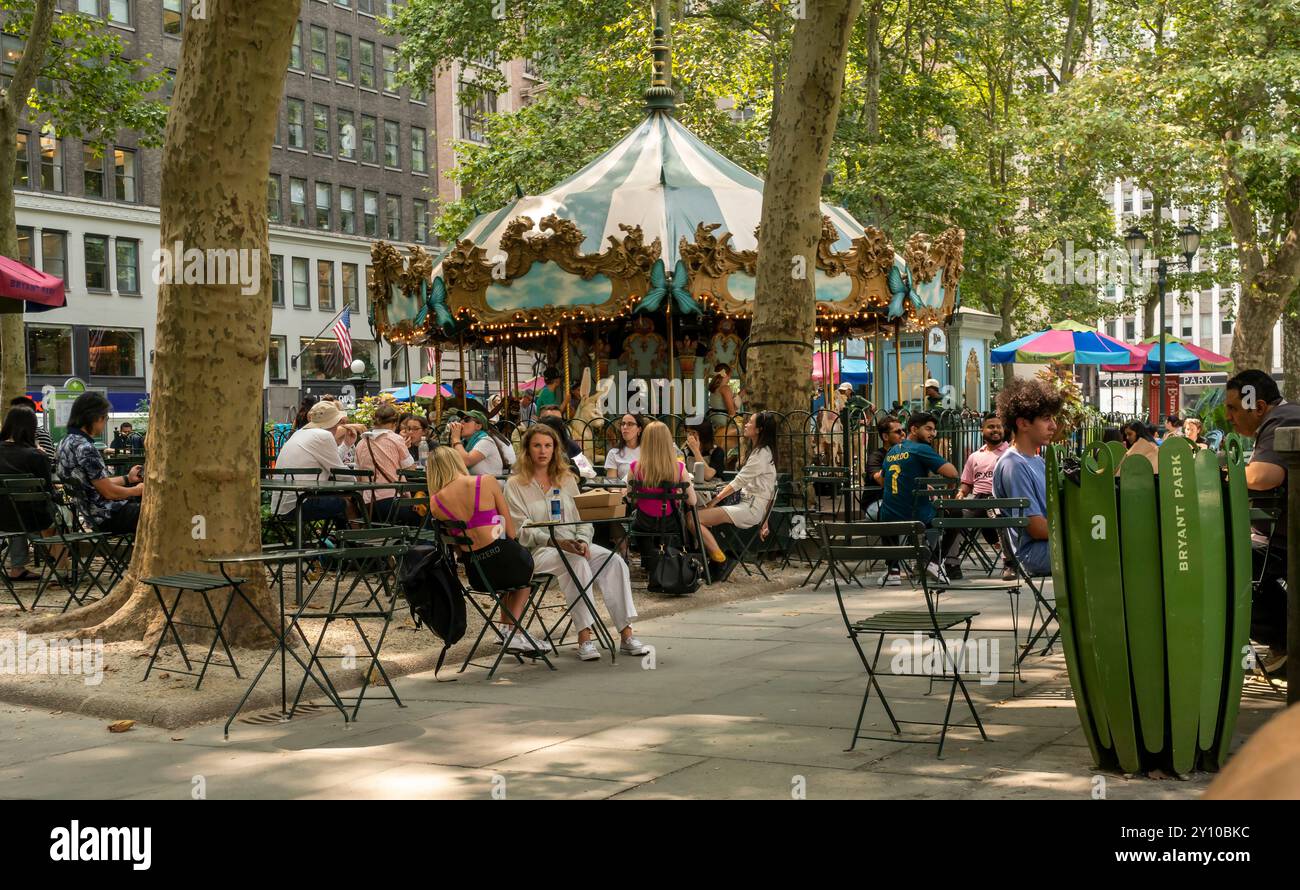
[{"x": 744, "y": 700}]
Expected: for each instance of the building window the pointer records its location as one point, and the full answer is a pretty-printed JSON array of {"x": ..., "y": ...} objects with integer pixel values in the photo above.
[
  {"x": 296, "y": 114},
  {"x": 343, "y": 57},
  {"x": 54, "y": 255},
  {"x": 421, "y": 220},
  {"x": 173, "y": 17},
  {"x": 169, "y": 90},
  {"x": 297, "y": 202},
  {"x": 49, "y": 350},
  {"x": 393, "y": 217},
  {"x": 124, "y": 174},
  {"x": 366, "y": 6},
  {"x": 397, "y": 365},
  {"x": 351, "y": 296},
  {"x": 319, "y": 52},
  {"x": 392, "y": 153},
  {"x": 390, "y": 69},
  {"x": 25, "y": 246},
  {"x": 347, "y": 129},
  {"x": 366, "y": 64},
  {"x": 128, "y": 265},
  {"x": 369, "y": 140},
  {"x": 324, "y": 206},
  {"x": 345, "y": 3},
  {"x": 321, "y": 359},
  {"x": 51, "y": 164},
  {"x": 1207, "y": 328},
  {"x": 92, "y": 172},
  {"x": 370, "y": 210},
  {"x": 295, "y": 51},
  {"x": 119, "y": 11},
  {"x": 320, "y": 115},
  {"x": 419, "y": 91},
  {"x": 22, "y": 165},
  {"x": 1185, "y": 323},
  {"x": 116, "y": 352},
  {"x": 1128, "y": 201},
  {"x": 277, "y": 360},
  {"x": 301, "y": 284},
  {"x": 348, "y": 210},
  {"x": 97, "y": 262},
  {"x": 325, "y": 285},
  {"x": 475, "y": 105},
  {"x": 1130, "y": 329},
  {"x": 273, "y": 213},
  {"x": 88, "y": 7},
  {"x": 277, "y": 281},
  {"x": 419, "y": 159}
]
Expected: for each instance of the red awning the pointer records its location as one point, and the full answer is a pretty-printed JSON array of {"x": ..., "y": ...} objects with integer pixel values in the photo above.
[{"x": 19, "y": 281}]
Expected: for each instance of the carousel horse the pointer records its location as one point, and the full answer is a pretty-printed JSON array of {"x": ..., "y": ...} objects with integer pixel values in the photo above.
[
  {"x": 587, "y": 418},
  {"x": 645, "y": 351}
]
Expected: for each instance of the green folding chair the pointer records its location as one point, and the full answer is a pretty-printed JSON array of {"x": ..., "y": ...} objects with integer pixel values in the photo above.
[{"x": 844, "y": 542}]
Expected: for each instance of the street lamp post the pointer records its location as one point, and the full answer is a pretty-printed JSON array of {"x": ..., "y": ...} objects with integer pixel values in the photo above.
[{"x": 1189, "y": 239}]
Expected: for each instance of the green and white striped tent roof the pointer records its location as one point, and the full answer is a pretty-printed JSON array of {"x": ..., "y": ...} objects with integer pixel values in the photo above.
[{"x": 665, "y": 179}]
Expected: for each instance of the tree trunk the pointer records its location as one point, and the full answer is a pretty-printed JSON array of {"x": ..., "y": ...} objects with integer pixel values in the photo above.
[
  {"x": 201, "y": 491},
  {"x": 1265, "y": 287},
  {"x": 784, "y": 294},
  {"x": 1291, "y": 349},
  {"x": 13, "y": 341}
]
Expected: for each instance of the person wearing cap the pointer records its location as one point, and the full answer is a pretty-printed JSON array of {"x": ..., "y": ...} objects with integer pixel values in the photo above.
[
  {"x": 315, "y": 446},
  {"x": 484, "y": 450},
  {"x": 933, "y": 400}
]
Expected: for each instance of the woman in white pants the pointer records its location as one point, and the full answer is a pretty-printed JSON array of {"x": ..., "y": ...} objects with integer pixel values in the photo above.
[{"x": 541, "y": 470}]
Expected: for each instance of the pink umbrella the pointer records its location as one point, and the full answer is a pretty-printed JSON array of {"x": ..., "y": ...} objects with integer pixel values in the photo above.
[
  {"x": 535, "y": 383},
  {"x": 19, "y": 281},
  {"x": 821, "y": 363}
]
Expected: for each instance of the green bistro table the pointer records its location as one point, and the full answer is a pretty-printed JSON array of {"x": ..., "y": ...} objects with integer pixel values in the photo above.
[{"x": 281, "y": 648}]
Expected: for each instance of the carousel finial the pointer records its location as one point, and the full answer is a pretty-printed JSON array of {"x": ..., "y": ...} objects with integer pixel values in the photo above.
[{"x": 659, "y": 96}]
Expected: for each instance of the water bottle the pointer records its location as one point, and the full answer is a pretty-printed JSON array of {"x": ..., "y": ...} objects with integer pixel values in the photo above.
[
  {"x": 698, "y": 472},
  {"x": 557, "y": 506},
  {"x": 424, "y": 451}
]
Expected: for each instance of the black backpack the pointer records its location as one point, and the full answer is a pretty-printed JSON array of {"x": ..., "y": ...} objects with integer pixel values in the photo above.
[{"x": 434, "y": 594}]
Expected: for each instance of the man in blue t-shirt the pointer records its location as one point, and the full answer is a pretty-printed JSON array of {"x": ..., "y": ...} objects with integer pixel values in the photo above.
[
  {"x": 1028, "y": 409},
  {"x": 905, "y": 463}
]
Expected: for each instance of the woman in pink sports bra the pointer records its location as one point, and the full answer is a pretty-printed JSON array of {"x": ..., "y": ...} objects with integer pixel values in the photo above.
[
  {"x": 657, "y": 468},
  {"x": 499, "y": 559}
]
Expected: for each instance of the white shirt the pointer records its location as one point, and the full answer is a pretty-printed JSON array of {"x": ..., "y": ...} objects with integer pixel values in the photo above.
[
  {"x": 491, "y": 464},
  {"x": 307, "y": 449},
  {"x": 620, "y": 460}
]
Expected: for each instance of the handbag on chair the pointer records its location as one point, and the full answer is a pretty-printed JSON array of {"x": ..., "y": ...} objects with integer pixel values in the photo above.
[{"x": 675, "y": 572}]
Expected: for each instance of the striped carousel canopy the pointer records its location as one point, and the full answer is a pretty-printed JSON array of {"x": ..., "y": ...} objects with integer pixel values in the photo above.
[{"x": 659, "y": 221}]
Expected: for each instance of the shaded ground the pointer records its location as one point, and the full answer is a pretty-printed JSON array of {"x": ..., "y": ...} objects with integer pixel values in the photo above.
[{"x": 750, "y": 699}]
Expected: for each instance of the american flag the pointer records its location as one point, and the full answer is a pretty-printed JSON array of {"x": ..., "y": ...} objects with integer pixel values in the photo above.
[{"x": 345, "y": 336}]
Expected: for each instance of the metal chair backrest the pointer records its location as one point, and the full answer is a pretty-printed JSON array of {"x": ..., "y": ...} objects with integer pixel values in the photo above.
[
  {"x": 840, "y": 542},
  {"x": 348, "y": 475},
  {"x": 37, "y": 499}
]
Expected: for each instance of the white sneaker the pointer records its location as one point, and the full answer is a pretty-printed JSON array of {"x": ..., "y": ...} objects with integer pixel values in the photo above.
[
  {"x": 892, "y": 578},
  {"x": 588, "y": 651},
  {"x": 633, "y": 646},
  {"x": 523, "y": 642},
  {"x": 936, "y": 572}
]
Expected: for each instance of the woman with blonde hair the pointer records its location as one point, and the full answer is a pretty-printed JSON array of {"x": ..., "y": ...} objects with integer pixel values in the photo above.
[
  {"x": 541, "y": 475},
  {"x": 658, "y": 468},
  {"x": 498, "y": 558}
]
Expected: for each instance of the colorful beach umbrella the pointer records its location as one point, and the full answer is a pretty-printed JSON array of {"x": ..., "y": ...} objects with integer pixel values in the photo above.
[
  {"x": 1066, "y": 341},
  {"x": 419, "y": 391},
  {"x": 1181, "y": 357}
]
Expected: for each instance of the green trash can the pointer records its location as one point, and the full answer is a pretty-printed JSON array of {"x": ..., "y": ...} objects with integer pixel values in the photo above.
[{"x": 1152, "y": 575}]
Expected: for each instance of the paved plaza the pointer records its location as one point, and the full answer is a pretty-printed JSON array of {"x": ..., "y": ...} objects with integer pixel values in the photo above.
[{"x": 755, "y": 699}]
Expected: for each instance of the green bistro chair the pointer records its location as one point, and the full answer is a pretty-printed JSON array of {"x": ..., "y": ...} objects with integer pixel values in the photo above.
[{"x": 843, "y": 543}]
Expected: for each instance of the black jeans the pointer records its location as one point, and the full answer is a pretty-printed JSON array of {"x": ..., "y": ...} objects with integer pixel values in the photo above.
[
  {"x": 1268, "y": 611},
  {"x": 123, "y": 520}
]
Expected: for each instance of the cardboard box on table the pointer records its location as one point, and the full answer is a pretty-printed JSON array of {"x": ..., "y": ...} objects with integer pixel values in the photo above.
[{"x": 600, "y": 504}]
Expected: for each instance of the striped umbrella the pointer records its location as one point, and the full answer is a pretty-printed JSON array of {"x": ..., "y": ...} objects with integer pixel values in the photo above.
[
  {"x": 1181, "y": 357},
  {"x": 1067, "y": 341}
]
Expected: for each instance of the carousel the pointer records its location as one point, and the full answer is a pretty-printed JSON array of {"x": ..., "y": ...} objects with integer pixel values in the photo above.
[{"x": 644, "y": 262}]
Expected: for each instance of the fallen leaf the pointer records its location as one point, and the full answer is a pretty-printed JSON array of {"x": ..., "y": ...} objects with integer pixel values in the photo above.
[
  {"x": 121, "y": 725},
  {"x": 178, "y": 738},
  {"x": 163, "y": 676}
]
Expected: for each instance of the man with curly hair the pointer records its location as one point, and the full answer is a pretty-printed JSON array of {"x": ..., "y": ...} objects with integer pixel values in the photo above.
[{"x": 1028, "y": 409}]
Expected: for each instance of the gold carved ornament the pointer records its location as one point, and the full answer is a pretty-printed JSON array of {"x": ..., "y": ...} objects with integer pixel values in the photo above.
[
  {"x": 926, "y": 257},
  {"x": 626, "y": 262},
  {"x": 389, "y": 275},
  {"x": 710, "y": 260}
]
